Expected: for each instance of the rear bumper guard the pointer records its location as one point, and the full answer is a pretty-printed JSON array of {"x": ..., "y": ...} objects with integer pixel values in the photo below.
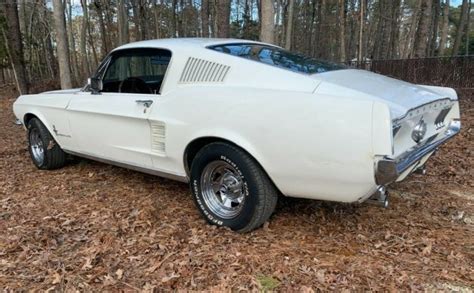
[{"x": 388, "y": 170}]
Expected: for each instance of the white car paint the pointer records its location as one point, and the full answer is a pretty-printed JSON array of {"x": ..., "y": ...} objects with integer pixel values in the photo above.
[{"x": 317, "y": 136}]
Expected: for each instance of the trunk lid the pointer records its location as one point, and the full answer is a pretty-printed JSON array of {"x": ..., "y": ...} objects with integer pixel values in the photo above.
[
  {"x": 410, "y": 104},
  {"x": 401, "y": 96}
]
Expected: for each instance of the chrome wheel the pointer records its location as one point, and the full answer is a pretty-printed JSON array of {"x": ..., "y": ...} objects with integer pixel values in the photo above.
[
  {"x": 222, "y": 189},
  {"x": 36, "y": 145}
]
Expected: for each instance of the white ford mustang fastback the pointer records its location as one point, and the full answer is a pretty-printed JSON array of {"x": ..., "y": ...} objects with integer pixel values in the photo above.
[{"x": 243, "y": 122}]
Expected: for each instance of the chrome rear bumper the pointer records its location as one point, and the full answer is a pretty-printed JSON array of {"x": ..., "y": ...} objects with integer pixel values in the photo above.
[{"x": 387, "y": 170}]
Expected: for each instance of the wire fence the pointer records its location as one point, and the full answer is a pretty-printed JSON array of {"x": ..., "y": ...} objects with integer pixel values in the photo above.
[{"x": 455, "y": 72}]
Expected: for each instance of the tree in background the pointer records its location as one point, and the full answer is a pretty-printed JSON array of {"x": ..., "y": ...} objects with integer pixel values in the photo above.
[
  {"x": 289, "y": 24},
  {"x": 267, "y": 25},
  {"x": 338, "y": 30},
  {"x": 63, "y": 49},
  {"x": 421, "y": 39},
  {"x": 342, "y": 30},
  {"x": 223, "y": 19},
  {"x": 122, "y": 23},
  {"x": 461, "y": 29},
  {"x": 14, "y": 45},
  {"x": 444, "y": 29}
]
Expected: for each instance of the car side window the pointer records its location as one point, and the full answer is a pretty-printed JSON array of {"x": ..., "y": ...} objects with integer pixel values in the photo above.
[{"x": 139, "y": 71}]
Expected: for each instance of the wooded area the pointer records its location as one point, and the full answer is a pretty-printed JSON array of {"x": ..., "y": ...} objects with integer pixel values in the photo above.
[{"x": 43, "y": 40}]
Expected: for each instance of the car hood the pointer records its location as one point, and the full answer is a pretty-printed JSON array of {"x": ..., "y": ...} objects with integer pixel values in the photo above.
[{"x": 401, "y": 96}]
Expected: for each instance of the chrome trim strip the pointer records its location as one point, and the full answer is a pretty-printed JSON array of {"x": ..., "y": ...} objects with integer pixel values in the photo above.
[
  {"x": 175, "y": 177},
  {"x": 387, "y": 170},
  {"x": 398, "y": 119}
]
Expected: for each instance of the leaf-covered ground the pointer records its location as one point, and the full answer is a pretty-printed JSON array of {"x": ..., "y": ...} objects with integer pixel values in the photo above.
[{"x": 91, "y": 226}]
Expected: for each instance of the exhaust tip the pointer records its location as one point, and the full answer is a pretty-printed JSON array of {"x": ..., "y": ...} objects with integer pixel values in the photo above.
[
  {"x": 421, "y": 170},
  {"x": 380, "y": 197}
]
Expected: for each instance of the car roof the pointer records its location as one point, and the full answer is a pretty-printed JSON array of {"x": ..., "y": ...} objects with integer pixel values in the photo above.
[{"x": 178, "y": 43}]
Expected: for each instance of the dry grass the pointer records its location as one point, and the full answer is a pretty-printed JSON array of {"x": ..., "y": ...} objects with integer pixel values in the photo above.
[{"x": 91, "y": 226}]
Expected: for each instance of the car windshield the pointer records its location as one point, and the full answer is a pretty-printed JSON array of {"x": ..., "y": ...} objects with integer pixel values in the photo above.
[{"x": 278, "y": 57}]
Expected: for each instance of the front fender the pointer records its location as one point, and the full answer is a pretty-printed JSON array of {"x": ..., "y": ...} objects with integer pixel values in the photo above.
[{"x": 50, "y": 110}]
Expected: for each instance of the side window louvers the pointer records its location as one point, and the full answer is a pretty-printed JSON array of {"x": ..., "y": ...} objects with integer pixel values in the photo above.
[{"x": 202, "y": 71}]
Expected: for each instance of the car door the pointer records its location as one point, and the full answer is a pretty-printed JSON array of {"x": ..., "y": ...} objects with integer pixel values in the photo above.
[{"x": 113, "y": 124}]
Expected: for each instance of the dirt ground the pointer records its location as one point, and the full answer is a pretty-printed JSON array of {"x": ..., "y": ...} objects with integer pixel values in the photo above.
[{"x": 91, "y": 227}]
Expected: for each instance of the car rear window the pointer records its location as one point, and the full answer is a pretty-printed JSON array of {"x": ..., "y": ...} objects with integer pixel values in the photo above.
[{"x": 278, "y": 57}]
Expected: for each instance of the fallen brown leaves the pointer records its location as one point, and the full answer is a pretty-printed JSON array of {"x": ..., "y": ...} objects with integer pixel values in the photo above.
[{"x": 91, "y": 226}]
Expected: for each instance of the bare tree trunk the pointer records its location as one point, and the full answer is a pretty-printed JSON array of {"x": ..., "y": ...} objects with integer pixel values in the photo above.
[
  {"x": 22, "y": 18},
  {"x": 142, "y": 16},
  {"x": 72, "y": 45},
  {"x": 308, "y": 14},
  {"x": 468, "y": 25},
  {"x": 444, "y": 29},
  {"x": 50, "y": 59},
  {"x": 47, "y": 42},
  {"x": 61, "y": 39},
  {"x": 434, "y": 28},
  {"x": 94, "y": 51},
  {"x": 342, "y": 30},
  {"x": 109, "y": 14},
  {"x": 223, "y": 18},
  {"x": 100, "y": 14},
  {"x": 179, "y": 18},
  {"x": 174, "y": 21},
  {"x": 246, "y": 20},
  {"x": 278, "y": 28},
  {"x": 28, "y": 38},
  {"x": 409, "y": 46},
  {"x": 136, "y": 20},
  {"x": 461, "y": 28},
  {"x": 15, "y": 46},
  {"x": 122, "y": 22},
  {"x": 394, "y": 46},
  {"x": 289, "y": 24},
  {"x": 379, "y": 36},
  {"x": 267, "y": 29},
  {"x": 122, "y": 17},
  {"x": 205, "y": 18},
  {"x": 84, "y": 28},
  {"x": 157, "y": 18},
  {"x": 351, "y": 48},
  {"x": 322, "y": 31},
  {"x": 421, "y": 41}
]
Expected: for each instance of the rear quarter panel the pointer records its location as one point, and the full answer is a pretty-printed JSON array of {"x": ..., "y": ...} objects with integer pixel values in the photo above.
[{"x": 311, "y": 146}]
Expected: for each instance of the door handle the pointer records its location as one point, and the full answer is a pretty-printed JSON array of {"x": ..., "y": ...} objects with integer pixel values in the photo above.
[{"x": 146, "y": 103}]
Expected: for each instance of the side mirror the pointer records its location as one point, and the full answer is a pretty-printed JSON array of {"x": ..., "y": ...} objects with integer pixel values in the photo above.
[{"x": 95, "y": 85}]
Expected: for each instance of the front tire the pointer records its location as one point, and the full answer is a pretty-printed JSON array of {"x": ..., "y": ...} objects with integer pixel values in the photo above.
[
  {"x": 230, "y": 188},
  {"x": 44, "y": 150}
]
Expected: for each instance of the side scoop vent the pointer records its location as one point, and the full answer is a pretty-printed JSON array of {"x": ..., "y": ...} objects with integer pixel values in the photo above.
[
  {"x": 202, "y": 71},
  {"x": 158, "y": 137}
]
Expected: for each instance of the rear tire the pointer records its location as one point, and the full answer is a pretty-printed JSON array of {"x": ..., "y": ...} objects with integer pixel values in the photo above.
[
  {"x": 44, "y": 150},
  {"x": 230, "y": 188}
]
